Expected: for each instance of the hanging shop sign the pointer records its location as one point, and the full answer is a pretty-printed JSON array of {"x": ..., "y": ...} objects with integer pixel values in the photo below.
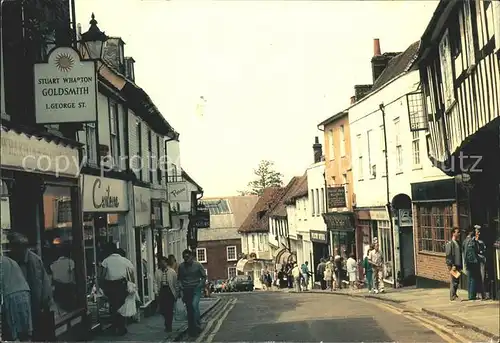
[
  {"x": 142, "y": 206},
  {"x": 65, "y": 88},
  {"x": 318, "y": 237},
  {"x": 405, "y": 218},
  {"x": 202, "y": 217},
  {"x": 30, "y": 153},
  {"x": 102, "y": 194},
  {"x": 178, "y": 191},
  {"x": 336, "y": 197}
]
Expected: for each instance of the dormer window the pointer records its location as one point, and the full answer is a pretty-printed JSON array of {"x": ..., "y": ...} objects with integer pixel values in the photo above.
[{"x": 129, "y": 68}]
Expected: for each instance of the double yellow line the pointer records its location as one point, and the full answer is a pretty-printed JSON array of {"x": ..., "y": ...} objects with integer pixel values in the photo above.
[
  {"x": 214, "y": 324},
  {"x": 446, "y": 334}
]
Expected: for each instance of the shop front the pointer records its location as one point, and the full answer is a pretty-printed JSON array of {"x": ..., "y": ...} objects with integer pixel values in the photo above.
[
  {"x": 40, "y": 199},
  {"x": 105, "y": 209},
  {"x": 160, "y": 222},
  {"x": 342, "y": 233},
  {"x": 374, "y": 226},
  {"x": 319, "y": 241},
  {"x": 144, "y": 244}
]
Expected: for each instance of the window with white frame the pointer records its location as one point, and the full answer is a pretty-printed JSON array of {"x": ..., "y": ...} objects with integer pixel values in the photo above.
[
  {"x": 231, "y": 272},
  {"x": 360, "y": 157},
  {"x": 201, "y": 255},
  {"x": 371, "y": 162},
  {"x": 253, "y": 242},
  {"x": 113, "y": 132},
  {"x": 323, "y": 205},
  {"x": 399, "y": 147},
  {"x": 446, "y": 70},
  {"x": 316, "y": 193},
  {"x": 138, "y": 133},
  {"x": 344, "y": 183},
  {"x": 382, "y": 147},
  {"x": 415, "y": 149},
  {"x": 231, "y": 253},
  {"x": 331, "y": 145},
  {"x": 313, "y": 207},
  {"x": 91, "y": 147},
  {"x": 342, "y": 141}
]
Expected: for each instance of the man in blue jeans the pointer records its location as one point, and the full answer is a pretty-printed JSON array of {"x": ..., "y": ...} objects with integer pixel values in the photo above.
[{"x": 192, "y": 279}]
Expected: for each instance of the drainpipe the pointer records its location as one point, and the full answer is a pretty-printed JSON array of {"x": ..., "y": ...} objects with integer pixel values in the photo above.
[{"x": 388, "y": 198}]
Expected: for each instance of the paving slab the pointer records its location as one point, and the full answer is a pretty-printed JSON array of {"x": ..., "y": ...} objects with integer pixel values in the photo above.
[{"x": 151, "y": 329}]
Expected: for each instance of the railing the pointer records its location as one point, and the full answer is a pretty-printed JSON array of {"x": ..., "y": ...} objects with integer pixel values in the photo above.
[{"x": 175, "y": 178}]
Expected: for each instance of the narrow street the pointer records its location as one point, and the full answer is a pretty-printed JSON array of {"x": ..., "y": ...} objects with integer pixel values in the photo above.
[{"x": 290, "y": 317}]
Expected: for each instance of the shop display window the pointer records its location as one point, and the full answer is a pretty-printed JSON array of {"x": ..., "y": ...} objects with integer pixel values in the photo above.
[
  {"x": 5, "y": 219},
  {"x": 385, "y": 239},
  {"x": 61, "y": 253},
  {"x": 99, "y": 230}
]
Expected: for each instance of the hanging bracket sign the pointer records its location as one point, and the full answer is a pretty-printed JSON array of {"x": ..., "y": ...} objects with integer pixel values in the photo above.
[{"x": 65, "y": 88}]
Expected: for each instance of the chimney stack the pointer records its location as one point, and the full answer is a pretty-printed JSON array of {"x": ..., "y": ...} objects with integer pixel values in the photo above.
[
  {"x": 318, "y": 150},
  {"x": 376, "y": 47},
  {"x": 353, "y": 99}
]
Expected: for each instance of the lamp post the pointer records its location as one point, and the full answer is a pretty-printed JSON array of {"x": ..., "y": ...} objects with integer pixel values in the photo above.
[{"x": 92, "y": 41}]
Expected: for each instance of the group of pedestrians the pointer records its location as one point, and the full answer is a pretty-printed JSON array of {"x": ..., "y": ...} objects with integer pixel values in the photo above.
[
  {"x": 175, "y": 282},
  {"x": 331, "y": 271},
  {"x": 469, "y": 258},
  {"x": 26, "y": 293}
]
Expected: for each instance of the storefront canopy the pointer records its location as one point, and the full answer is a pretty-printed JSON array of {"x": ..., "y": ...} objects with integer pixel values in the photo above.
[
  {"x": 244, "y": 265},
  {"x": 282, "y": 256}
]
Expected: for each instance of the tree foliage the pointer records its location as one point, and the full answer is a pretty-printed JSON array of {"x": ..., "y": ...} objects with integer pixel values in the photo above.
[{"x": 265, "y": 176}]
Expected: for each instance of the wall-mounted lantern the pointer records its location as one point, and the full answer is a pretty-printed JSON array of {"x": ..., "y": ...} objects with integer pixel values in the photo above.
[{"x": 92, "y": 42}]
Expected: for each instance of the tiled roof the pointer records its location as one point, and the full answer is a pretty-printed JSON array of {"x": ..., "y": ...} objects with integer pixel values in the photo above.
[
  {"x": 300, "y": 190},
  {"x": 279, "y": 207},
  {"x": 258, "y": 219},
  {"x": 238, "y": 208},
  {"x": 219, "y": 234},
  {"x": 397, "y": 65}
]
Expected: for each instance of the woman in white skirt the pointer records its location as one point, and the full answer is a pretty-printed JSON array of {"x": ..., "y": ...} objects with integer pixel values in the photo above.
[{"x": 351, "y": 267}]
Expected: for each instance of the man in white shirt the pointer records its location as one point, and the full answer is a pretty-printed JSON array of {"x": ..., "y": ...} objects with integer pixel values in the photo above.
[
  {"x": 377, "y": 262},
  {"x": 115, "y": 272},
  {"x": 296, "y": 273}
]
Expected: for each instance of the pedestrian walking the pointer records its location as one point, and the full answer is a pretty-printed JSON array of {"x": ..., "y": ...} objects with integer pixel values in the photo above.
[
  {"x": 297, "y": 275},
  {"x": 17, "y": 324},
  {"x": 328, "y": 276},
  {"x": 115, "y": 272},
  {"x": 168, "y": 290},
  {"x": 352, "y": 267},
  {"x": 338, "y": 261},
  {"x": 454, "y": 262},
  {"x": 192, "y": 278},
  {"x": 305, "y": 274},
  {"x": 39, "y": 283},
  {"x": 482, "y": 263},
  {"x": 368, "y": 269},
  {"x": 472, "y": 262},
  {"x": 375, "y": 259},
  {"x": 320, "y": 271}
]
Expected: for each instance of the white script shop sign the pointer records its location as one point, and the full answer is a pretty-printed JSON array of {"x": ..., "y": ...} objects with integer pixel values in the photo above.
[
  {"x": 102, "y": 194},
  {"x": 65, "y": 88},
  {"x": 142, "y": 206},
  {"x": 178, "y": 191},
  {"x": 29, "y": 153}
]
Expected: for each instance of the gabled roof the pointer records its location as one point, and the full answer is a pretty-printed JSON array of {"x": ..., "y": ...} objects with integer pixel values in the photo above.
[
  {"x": 258, "y": 219},
  {"x": 333, "y": 118},
  {"x": 279, "y": 207},
  {"x": 189, "y": 179},
  {"x": 300, "y": 190},
  {"x": 230, "y": 211},
  {"x": 397, "y": 65}
]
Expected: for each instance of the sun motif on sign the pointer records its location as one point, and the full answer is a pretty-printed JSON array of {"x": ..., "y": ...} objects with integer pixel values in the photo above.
[{"x": 64, "y": 62}]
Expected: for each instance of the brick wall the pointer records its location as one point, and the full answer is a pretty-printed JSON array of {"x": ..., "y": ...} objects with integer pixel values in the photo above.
[
  {"x": 427, "y": 264},
  {"x": 217, "y": 264}
]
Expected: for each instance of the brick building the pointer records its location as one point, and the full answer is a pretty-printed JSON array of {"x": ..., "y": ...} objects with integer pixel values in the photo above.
[{"x": 219, "y": 246}]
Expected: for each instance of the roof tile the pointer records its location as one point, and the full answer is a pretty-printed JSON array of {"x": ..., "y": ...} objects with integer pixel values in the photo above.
[{"x": 258, "y": 219}]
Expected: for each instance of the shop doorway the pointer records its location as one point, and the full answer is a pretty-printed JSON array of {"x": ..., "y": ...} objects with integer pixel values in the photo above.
[
  {"x": 407, "y": 256},
  {"x": 320, "y": 250}
]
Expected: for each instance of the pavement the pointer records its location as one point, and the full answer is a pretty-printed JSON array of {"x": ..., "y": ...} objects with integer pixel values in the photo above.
[
  {"x": 151, "y": 329},
  {"x": 480, "y": 316},
  {"x": 312, "y": 317}
]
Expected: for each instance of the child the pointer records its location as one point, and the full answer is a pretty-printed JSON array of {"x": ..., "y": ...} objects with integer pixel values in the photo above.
[
  {"x": 368, "y": 269},
  {"x": 351, "y": 269}
]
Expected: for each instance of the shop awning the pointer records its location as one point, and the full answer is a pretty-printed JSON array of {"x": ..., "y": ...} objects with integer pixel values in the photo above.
[
  {"x": 244, "y": 265},
  {"x": 282, "y": 255}
]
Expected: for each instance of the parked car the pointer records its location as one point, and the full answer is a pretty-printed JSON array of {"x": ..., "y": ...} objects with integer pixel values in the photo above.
[{"x": 241, "y": 283}]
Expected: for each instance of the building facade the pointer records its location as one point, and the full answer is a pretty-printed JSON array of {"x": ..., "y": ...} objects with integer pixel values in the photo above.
[
  {"x": 254, "y": 231},
  {"x": 459, "y": 68},
  {"x": 219, "y": 246},
  {"x": 378, "y": 123}
]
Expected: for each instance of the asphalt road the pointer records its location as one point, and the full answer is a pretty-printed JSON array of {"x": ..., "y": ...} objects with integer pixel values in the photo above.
[{"x": 306, "y": 317}]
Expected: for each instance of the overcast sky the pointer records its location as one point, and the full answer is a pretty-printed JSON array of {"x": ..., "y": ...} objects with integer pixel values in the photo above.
[{"x": 269, "y": 71}]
